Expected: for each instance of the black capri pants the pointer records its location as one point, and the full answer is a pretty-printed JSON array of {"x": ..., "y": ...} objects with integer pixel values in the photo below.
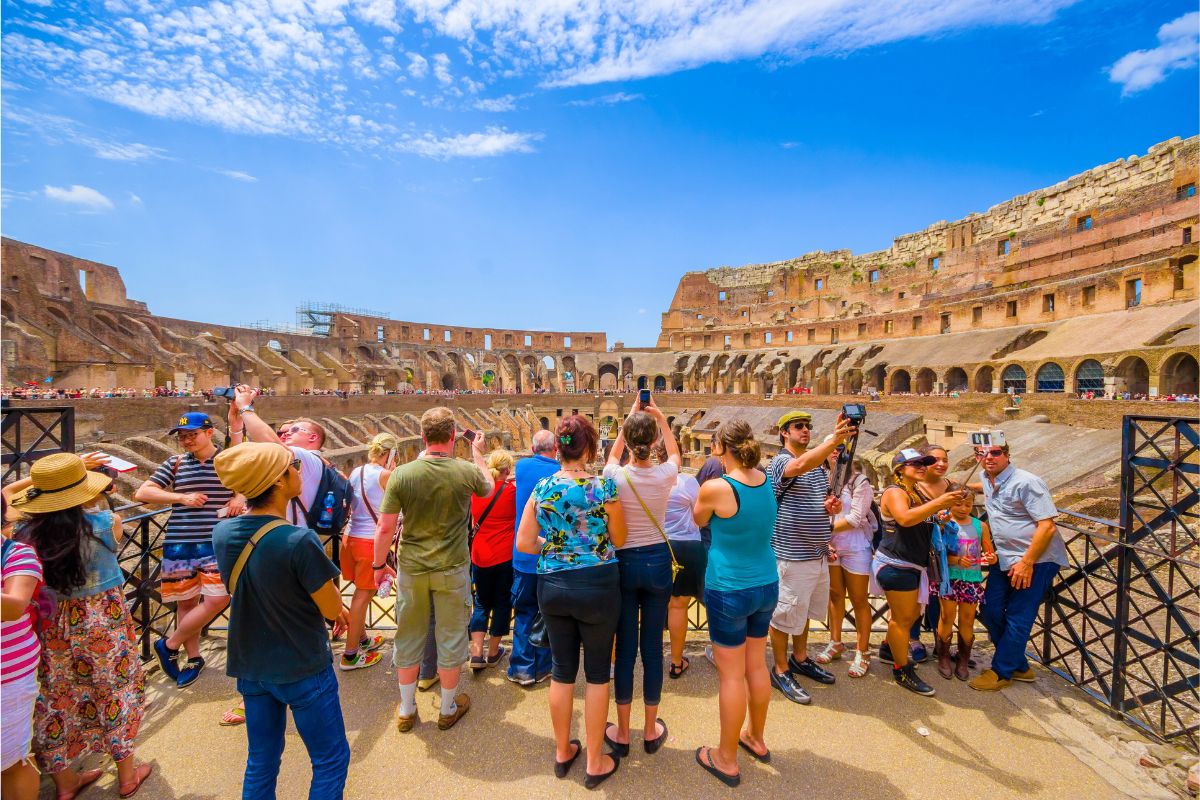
[{"x": 581, "y": 607}]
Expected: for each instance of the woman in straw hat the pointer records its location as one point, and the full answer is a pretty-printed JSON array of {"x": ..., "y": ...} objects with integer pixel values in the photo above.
[{"x": 92, "y": 690}]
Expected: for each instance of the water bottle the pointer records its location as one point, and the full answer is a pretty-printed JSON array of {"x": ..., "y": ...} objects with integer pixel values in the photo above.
[
  {"x": 326, "y": 518},
  {"x": 385, "y": 587}
]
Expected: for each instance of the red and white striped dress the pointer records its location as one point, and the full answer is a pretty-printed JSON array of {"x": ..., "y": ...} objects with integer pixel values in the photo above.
[{"x": 19, "y": 644}]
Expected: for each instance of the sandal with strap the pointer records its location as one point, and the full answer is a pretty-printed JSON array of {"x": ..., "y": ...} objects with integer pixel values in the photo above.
[
  {"x": 86, "y": 779},
  {"x": 139, "y": 777},
  {"x": 832, "y": 652},
  {"x": 860, "y": 665},
  {"x": 677, "y": 670},
  {"x": 234, "y": 716}
]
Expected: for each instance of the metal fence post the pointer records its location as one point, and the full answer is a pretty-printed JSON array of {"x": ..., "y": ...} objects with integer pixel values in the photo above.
[{"x": 1116, "y": 699}]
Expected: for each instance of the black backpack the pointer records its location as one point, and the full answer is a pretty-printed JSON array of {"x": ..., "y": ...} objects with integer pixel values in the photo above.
[{"x": 331, "y": 481}]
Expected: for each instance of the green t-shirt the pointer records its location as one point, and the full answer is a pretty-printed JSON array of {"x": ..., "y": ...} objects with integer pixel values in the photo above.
[{"x": 434, "y": 495}]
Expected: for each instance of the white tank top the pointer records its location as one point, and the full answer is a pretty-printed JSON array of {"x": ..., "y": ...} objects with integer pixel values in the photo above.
[{"x": 362, "y": 526}]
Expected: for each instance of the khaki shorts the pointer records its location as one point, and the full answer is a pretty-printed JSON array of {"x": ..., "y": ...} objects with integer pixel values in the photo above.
[
  {"x": 448, "y": 595},
  {"x": 803, "y": 594}
]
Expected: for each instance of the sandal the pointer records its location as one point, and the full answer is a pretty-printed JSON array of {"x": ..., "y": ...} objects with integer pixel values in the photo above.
[
  {"x": 860, "y": 665},
  {"x": 140, "y": 775},
  {"x": 86, "y": 779},
  {"x": 561, "y": 768},
  {"x": 832, "y": 652},
  {"x": 763, "y": 757},
  {"x": 677, "y": 670},
  {"x": 706, "y": 761},
  {"x": 234, "y": 716}
]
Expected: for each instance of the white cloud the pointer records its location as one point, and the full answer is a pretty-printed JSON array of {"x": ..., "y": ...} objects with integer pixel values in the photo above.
[
  {"x": 489, "y": 142},
  {"x": 441, "y": 68},
  {"x": 497, "y": 104},
  {"x": 418, "y": 66},
  {"x": 57, "y": 129},
  {"x": 1178, "y": 42},
  {"x": 607, "y": 100},
  {"x": 237, "y": 175},
  {"x": 85, "y": 197},
  {"x": 789, "y": 145},
  {"x": 135, "y": 200}
]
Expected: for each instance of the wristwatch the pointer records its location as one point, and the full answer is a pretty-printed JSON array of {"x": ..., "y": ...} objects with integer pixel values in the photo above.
[
  {"x": 247, "y": 408},
  {"x": 379, "y": 566}
]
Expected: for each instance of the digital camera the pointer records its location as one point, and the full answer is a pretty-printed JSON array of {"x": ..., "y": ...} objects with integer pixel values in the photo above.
[{"x": 855, "y": 412}]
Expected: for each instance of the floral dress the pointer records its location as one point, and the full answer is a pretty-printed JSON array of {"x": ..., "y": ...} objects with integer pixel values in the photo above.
[
  {"x": 572, "y": 518},
  {"x": 92, "y": 690}
]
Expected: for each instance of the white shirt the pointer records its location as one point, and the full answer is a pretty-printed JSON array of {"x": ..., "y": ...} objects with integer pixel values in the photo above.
[
  {"x": 311, "y": 467},
  {"x": 362, "y": 524},
  {"x": 654, "y": 486},
  {"x": 681, "y": 525}
]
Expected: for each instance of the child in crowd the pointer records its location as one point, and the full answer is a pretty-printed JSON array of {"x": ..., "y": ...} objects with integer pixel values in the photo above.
[{"x": 969, "y": 546}]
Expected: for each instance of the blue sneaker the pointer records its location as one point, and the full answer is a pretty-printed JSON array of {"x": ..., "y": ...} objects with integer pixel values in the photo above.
[
  {"x": 917, "y": 652},
  {"x": 786, "y": 684},
  {"x": 190, "y": 672},
  {"x": 167, "y": 659}
]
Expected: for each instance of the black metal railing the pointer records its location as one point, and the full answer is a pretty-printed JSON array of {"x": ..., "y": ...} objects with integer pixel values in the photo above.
[
  {"x": 28, "y": 433},
  {"x": 1121, "y": 621}
]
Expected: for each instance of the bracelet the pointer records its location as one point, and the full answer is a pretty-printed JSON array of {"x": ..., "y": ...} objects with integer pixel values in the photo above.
[
  {"x": 247, "y": 408},
  {"x": 379, "y": 566}
]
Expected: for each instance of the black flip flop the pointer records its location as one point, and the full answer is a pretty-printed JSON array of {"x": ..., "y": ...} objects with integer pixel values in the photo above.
[
  {"x": 764, "y": 757},
  {"x": 561, "y": 768},
  {"x": 725, "y": 778},
  {"x": 619, "y": 749},
  {"x": 677, "y": 672},
  {"x": 592, "y": 781},
  {"x": 652, "y": 745}
]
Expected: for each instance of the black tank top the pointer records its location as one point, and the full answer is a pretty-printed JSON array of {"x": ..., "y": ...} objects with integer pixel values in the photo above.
[{"x": 905, "y": 542}]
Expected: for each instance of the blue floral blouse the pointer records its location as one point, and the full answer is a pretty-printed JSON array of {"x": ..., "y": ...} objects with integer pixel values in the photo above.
[{"x": 571, "y": 516}]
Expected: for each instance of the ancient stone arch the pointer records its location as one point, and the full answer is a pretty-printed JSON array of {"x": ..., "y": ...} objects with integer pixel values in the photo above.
[
  {"x": 984, "y": 379},
  {"x": 1014, "y": 378},
  {"x": 1049, "y": 378},
  {"x": 926, "y": 378},
  {"x": 1133, "y": 376},
  {"x": 901, "y": 383},
  {"x": 1179, "y": 375},
  {"x": 956, "y": 380}
]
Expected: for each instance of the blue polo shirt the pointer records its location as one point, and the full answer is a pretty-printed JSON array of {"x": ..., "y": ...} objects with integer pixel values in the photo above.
[
  {"x": 526, "y": 474},
  {"x": 1015, "y": 505}
]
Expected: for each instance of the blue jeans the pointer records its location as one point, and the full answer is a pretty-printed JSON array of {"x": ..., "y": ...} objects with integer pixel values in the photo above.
[
  {"x": 526, "y": 661},
  {"x": 1008, "y": 615},
  {"x": 645, "y": 591},
  {"x": 317, "y": 711}
]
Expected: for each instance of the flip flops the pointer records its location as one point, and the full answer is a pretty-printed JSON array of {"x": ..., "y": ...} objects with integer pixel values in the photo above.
[
  {"x": 765, "y": 758},
  {"x": 706, "y": 761},
  {"x": 234, "y": 716}
]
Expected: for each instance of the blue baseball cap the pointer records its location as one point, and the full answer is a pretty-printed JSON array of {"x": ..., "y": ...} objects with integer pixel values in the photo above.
[{"x": 192, "y": 421}]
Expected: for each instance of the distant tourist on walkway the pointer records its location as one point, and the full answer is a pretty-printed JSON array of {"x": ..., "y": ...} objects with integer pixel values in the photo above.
[
  {"x": 357, "y": 553},
  {"x": 849, "y": 572},
  {"x": 494, "y": 518},
  {"x": 900, "y": 563},
  {"x": 283, "y": 588},
  {"x": 527, "y": 664},
  {"x": 92, "y": 691},
  {"x": 575, "y": 522},
  {"x": 433, "y": 565},
  {"x": 644, "y": 558},
  {"x": 802, "y": 550},
  {"x": 21, "y": 572},
  {"x": 1030, "y": 552},
  {"x": 741, "y": 589},
  {"x": 969, "y": 548},
  {"x": 690, "y": 552},
  {"x": 190, "y": 579}
]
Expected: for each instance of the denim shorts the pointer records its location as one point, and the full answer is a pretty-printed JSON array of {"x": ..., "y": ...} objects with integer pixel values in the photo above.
[
  {"x": 738, "y": 614},
  {"x": 898, "y": 579}
]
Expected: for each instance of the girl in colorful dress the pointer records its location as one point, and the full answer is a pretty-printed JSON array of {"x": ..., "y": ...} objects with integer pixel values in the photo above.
[
  {"x": 969, "y": 545},
  {"x": 92, "y": 690}
]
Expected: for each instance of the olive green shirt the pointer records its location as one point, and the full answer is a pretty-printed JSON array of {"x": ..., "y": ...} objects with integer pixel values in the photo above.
[{"x": 434, "y": 494}]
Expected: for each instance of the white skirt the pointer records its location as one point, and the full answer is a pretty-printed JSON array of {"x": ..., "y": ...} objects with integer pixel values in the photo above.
[{"x": 16, "y": 718}]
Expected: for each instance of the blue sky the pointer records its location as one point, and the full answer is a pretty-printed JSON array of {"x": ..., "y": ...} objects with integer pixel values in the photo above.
[{"x": 510, "y": 163}]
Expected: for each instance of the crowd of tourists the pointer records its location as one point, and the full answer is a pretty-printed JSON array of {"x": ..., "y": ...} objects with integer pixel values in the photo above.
[{"x": 583, "y": 569}]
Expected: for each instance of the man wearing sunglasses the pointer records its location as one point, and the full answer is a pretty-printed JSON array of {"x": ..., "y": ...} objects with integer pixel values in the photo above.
[
  {"x": 1021, "y": 515},
  {"x": 190, "y": 579},
  {"x": 801, "y": 542}
]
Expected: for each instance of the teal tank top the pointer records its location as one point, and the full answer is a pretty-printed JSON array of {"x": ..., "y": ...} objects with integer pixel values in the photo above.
[
  {"x": 969, "y": 542},
  {"x": 740, "y": 556}
]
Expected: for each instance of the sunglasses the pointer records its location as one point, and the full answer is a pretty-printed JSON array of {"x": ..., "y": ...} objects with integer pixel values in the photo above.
[
  {"x": 805, "y": 425},
  {"x": 995, "y": 452},
  {"x": 295, "y": 429}
]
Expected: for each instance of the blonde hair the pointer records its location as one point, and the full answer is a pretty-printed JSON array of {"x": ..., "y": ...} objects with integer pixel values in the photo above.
[
  {"x": 500, "y": 461},
  {"x": 437, "y": 425},
  {"x": 382, "y": 443}
]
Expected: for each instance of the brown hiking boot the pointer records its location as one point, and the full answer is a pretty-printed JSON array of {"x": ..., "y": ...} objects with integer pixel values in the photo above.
[
  {"x": 962, "y": 669},
  {"x": 405, "y": 724},
  {"x": 446, "y": 721},
  {"x": 945, "y": 667}
]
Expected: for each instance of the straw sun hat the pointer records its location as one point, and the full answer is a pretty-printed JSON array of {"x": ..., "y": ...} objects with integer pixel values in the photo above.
[{"x": 59, "y": 481}]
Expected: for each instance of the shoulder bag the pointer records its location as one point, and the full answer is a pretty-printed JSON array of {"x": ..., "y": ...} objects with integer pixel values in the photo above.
[
  {"x": 248, "y": 550},
  {"x": 676, "y": 567},
  {"x": 362, "y": 489}
]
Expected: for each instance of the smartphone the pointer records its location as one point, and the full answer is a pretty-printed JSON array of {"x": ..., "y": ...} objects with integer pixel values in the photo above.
[
  {"x": 644, "y": 397},
  {"x": 469, "y": 436},
  {"x": 988, "y": 439}
]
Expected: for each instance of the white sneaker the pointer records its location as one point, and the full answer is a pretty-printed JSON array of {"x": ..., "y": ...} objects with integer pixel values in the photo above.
[{"x": 860, "y": 665}]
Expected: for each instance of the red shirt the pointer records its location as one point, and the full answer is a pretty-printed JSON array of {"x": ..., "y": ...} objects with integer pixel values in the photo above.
[{"x": 494, "y": 539}]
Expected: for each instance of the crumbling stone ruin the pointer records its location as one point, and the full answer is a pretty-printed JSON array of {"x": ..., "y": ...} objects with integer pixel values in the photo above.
[{"x": 1089, "y": 284}]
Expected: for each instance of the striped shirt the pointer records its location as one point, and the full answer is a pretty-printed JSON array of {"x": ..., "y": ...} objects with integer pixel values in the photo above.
[
  {"x": 19, "y": 645},
  {"x": 191, "y": 525},
  {"x": 802, "y": 527}
]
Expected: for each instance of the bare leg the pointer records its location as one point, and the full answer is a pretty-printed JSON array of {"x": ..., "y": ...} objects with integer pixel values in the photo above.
[
  {"x": 758, "y": 686},
  {"x": 595, "y": 717},
  {"x": 904, "y": 611},
  {"x": 677, "y": 626},
  {"x": 800, "y": 643},
  {"x": 182, "y": 609},
  {"x": 358, "y": 618},
  {"x": 493, "y": 646},
  {"x": 650, "y": 729},
  {"x": 779, "y": 650},
  {"x": 189, "y": 624},
  {"x": 20, "y": 781},
  {"x": 732, "y": 699},
  {"x": 837, "y": 603},
  {"x": 621, "y": 734},
  {"x": 857, "y": 588},
  {"x": 966, "y": 621},
  {"x": 477, "y": 643},
  {"x": 945, "y": 626},
  {"x": 562, "y": 696}
]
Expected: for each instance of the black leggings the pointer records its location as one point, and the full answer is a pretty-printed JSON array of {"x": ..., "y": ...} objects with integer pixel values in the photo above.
[{"x": 581, "y": 606}]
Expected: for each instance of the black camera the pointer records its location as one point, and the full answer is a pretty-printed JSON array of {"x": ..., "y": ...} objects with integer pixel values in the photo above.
[
  {"x": 855, "y": 412},
  {"x": 223, "y": 391}
]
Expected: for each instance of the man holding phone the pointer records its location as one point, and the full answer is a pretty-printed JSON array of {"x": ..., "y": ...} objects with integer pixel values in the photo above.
[
  {"x": 1030, "y": 552},
  {"x": 190, "y": 578}
]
